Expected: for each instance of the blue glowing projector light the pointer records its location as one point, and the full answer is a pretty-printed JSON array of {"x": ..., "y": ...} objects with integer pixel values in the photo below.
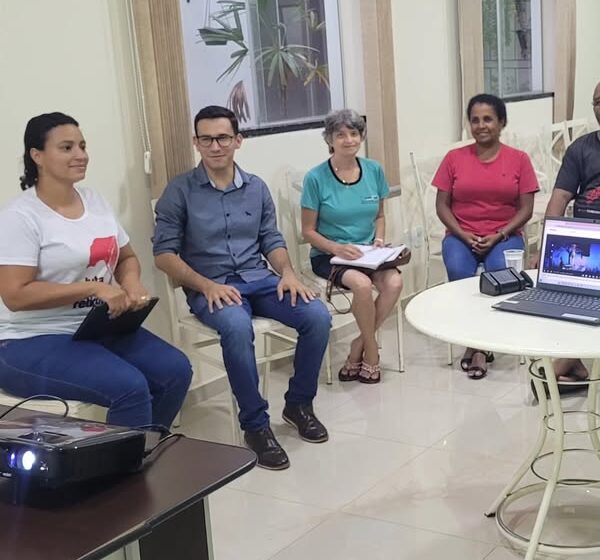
[{"x": 53, "y": 451}]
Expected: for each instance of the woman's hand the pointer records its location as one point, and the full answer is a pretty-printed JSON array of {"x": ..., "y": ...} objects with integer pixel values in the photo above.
[
  {"x": 484, "y": 244},
  {"x": 347, "y": 251},
  {"x": 470, "y": 239},
  {"x": 378, "y": 242},
  {"x": 137, "y": 294},
  {"x": 115, "y": 297}
]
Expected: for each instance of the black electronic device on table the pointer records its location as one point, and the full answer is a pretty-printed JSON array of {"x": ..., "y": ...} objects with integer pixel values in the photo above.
[
  {"x": 98, "y": 323},
  {"x": 53, "y": 452},
  {"x": 568, "y": 281}
]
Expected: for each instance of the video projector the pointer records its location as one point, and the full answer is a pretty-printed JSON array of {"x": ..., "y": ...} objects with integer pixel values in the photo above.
[{"x": 52, "y": 451}]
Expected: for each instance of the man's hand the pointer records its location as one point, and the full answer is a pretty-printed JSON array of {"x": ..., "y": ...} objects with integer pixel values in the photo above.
[
  {"x": 290, "y": 283},
  {"x": 350, "y": 252},
  {"x": 137, "y": 294},
  {"x": 116, "y": 298},
  {"x": 216, "y": 294}
]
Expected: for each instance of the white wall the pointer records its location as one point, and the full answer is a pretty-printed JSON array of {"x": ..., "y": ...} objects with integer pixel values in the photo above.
[
  {"x": 427, "y": 74},
  {"x": 587, "y": 72}
]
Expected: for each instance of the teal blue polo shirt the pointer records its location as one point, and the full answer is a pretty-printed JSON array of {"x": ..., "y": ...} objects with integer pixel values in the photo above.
[{"x": 346, "y": 211}]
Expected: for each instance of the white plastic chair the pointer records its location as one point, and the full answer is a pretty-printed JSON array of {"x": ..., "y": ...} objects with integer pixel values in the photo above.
[
  {"x": 301, "y": 261},
  {"x": 577, "y": 127},
  {"x": 433, "y": 232}
]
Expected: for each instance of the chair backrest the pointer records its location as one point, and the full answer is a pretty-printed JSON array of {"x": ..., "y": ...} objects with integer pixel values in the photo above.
[
  {"x": 423, "y": 172},
  {"x": 577, "y": 127},
  {"x": 176, "y": 302},
  {"x": 299, "y": 249}
]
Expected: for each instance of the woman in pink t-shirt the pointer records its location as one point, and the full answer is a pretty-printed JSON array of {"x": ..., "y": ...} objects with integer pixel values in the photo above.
[{"x": 485, "y": 196}]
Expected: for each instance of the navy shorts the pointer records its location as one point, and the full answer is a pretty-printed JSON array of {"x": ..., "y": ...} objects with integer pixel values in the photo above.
[{"x": 322, "y": 267}]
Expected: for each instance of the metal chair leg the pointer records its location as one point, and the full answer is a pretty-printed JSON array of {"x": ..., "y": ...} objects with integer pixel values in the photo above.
[
  {"x": 449, "y": 360},
  {"x": 400, "y": 336},
  {"x": 236, "y": 431},
  {"x": 328, "y": 365}
]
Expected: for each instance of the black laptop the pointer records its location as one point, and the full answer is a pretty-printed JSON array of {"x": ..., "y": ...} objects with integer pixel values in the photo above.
[
  {"x": 98, "y": 324},
  {"x": 568, "y": 281}
]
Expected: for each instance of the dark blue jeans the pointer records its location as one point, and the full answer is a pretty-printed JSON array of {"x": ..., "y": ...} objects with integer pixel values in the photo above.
[
  {"x": 234, "y": 325},
  {"x": 140, "y": 378},
  {"x": 461, "y": 262}
]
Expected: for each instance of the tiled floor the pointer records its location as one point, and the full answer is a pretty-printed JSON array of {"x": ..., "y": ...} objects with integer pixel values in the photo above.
[{"x": 410, "y": 467}]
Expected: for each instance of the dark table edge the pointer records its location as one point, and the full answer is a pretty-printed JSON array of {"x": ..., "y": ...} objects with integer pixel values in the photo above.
[{"x": 147, "y": 527}]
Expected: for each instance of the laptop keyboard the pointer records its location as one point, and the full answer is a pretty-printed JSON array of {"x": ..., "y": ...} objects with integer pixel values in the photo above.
[{"x": 563, "y": 299}]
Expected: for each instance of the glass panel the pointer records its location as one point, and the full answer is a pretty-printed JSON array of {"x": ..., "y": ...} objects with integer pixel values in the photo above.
[
  {"x": 290, "y": 50},
  {"x": 269, "y": 61},
  {"x": 507, "y": 30}
]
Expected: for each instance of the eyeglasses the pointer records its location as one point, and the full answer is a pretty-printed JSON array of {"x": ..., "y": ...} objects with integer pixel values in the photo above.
[
  {"x": 224, "y": 140},
  {"x": 596, "y": 103}
]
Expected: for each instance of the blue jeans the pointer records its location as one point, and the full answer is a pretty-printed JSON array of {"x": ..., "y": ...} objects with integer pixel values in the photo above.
[
  {"x": 140, "y": 378},
  {"x": 461, "y": 261},
  {"x": 234, "y": 325}
]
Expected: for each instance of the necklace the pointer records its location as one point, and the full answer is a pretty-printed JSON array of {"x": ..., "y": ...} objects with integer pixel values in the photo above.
[{"x": 351, "y": 172}]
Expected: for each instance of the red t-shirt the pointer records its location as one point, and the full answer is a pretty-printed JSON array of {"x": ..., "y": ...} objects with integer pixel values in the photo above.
[{"x": 485, "y": 194}]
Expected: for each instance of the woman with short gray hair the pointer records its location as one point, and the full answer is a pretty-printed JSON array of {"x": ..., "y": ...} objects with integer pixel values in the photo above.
[
  {"x": 342, "y": 206},
  {"x": 337, "y": 120}
]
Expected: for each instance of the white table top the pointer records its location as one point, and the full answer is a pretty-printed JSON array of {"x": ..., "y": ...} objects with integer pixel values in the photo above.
[{"x": 458, "y": 313}]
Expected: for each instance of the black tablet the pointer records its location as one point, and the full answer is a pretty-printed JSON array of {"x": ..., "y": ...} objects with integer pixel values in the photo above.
[{"x": 97, "y": 323}]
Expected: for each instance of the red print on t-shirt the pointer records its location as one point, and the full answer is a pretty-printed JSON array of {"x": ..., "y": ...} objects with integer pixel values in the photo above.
[{"x": 104, "y": 249}]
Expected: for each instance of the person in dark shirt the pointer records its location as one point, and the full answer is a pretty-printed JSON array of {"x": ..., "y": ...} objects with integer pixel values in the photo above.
[
  {"x": 579, "y": 179},
  {"x": 215, "y": 231}
]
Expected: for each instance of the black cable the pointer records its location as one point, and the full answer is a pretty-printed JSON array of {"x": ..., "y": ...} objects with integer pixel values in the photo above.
[
  {"x": 161, "y": 441},
  {"x": 160, "y": 428},
  {"x": 34, "y": 397}
]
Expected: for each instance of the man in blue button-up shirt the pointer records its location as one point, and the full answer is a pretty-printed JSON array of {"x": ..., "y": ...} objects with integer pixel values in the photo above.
[{"x": 215, "y": 226}]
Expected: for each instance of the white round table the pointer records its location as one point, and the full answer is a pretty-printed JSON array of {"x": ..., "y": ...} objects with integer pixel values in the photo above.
[{"x": 458, "y": 313}]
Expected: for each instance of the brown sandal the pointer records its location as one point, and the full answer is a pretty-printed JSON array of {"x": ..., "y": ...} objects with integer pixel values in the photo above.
[
  {"x": 349, "y": 371},
  {"x": 370, "y": 372}
]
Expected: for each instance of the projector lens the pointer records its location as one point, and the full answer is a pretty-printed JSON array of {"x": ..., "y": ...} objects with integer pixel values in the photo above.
[{"x": 27, "y": 460}]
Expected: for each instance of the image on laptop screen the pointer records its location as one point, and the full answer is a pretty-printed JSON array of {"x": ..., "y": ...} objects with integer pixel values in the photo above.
[{"x": 570, "y": 255}]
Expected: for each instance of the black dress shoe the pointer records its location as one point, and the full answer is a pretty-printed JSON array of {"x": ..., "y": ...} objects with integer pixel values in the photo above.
[
  {"x": 302, "y": 417},
  {"x": 270, "y": 454}
]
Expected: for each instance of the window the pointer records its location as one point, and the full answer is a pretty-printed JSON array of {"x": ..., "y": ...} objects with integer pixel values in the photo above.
[
  {"x": 271, "y": 62},
  {"x": 512, "y": 47}
]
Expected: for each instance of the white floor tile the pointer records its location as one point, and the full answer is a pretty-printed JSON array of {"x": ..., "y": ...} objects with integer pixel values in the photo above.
[
  {"x": 348, "y": 537},
  {"x": 329, "y": 474},
  {"x": 440, "y": 491},
  {"x": 255, "y": 527},
  {"x": 397, "y": 411}
]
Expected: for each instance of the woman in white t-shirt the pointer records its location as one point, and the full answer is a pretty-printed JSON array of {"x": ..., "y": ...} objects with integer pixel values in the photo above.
[{"x": 63, "y": 251}]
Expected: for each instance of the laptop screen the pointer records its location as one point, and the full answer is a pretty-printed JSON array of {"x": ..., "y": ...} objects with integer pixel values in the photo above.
[{"x": 570, "y": 256}]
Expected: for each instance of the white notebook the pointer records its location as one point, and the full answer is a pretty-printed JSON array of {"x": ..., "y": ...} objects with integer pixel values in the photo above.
[{"x": 373, "y": 257}]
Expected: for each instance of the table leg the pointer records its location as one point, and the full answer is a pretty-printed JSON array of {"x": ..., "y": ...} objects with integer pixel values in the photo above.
[
  {"x": 559, "y": 438},
  {"x": 184, "y": 536},
  {"x": 525, "y": 466},
  {"x": 591, "y": 406}
]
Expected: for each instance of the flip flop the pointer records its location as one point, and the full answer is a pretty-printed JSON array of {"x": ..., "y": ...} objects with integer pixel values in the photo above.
[
  {"x": 370, "y": 371},
  {"x": 465, "y": 363},
  {"x": 477, "y": 372},
  {"x": 349, "y": 371}
]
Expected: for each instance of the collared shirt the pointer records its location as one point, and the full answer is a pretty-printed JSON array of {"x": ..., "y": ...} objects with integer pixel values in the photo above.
[{"x": 218, "y": 233}]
